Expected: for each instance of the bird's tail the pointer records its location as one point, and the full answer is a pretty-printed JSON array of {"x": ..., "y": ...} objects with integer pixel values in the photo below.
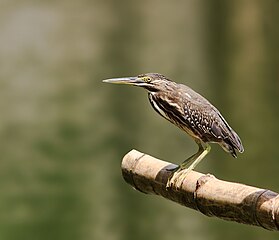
[{"x": 231, "y": 142}]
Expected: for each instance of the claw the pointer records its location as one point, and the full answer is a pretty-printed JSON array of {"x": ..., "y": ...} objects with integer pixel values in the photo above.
[
  {"x": 173, "y": 179},
  {"x": 177, "y": 178}
]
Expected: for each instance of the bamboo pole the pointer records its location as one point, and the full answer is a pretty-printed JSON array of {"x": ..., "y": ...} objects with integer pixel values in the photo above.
[{"x": 204, "y": 193}]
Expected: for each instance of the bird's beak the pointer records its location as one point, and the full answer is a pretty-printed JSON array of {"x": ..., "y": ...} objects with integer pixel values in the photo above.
[{"x": 136, "y": 81}]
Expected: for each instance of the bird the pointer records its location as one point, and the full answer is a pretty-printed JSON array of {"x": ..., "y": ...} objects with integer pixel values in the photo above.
[{"x": 189, "y": 111}]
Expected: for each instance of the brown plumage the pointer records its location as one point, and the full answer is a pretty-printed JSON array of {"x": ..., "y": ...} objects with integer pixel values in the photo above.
[{"x": 189, "y": 111}]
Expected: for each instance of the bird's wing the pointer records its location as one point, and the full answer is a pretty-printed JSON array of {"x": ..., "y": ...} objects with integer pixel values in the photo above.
[{"x": 208, "y": 123}]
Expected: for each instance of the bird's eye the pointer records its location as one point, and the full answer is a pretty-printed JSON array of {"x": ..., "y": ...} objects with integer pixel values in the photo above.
[{"x": 146, "y": 79}]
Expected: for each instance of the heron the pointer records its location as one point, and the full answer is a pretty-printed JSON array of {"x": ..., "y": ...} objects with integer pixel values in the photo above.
[{"x": 190, "y": 112}]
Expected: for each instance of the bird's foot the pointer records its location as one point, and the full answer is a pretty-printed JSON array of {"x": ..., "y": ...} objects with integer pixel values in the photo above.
[
  {"x": 177, "y": 178},
  {"x": 171, "y": 179}
]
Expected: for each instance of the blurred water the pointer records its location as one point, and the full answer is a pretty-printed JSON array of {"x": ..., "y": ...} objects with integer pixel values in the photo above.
[{"x": 63, "y": 133}]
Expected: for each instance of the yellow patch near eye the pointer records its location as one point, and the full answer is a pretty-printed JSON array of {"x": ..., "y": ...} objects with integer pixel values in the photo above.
[{"x": 146, "y": 79}]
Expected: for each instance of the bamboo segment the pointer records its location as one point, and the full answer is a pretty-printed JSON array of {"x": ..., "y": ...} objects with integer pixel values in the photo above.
[{"x": 205, "y": 193}]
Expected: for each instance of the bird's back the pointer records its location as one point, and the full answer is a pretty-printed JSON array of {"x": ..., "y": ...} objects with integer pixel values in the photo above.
[{"x": 194, "y": 114}]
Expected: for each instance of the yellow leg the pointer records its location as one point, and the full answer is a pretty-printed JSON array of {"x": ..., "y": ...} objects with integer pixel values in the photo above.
[{"x": 180, "y": 173}]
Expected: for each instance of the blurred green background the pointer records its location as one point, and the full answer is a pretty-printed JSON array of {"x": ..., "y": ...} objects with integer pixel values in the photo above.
[{"x": 63, "y": 132}]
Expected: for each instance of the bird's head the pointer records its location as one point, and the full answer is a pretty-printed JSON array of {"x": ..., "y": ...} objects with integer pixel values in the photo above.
[{"x": 151, "y": 81}]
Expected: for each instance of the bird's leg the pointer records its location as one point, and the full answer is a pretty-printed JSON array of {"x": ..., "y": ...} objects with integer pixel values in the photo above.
[
  {"x": 184, "y": 164},
  {"x": 204, "y": 149},
  {"x": 180, "y": 173}
]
